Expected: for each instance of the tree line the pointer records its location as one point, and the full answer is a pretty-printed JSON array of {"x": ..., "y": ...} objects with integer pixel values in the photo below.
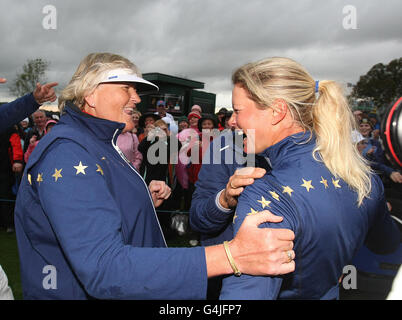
[{"x": 382, "y": 83}]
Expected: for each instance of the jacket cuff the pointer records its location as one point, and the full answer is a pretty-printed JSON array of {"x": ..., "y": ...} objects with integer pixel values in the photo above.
[
  {"x": 218, "y": 204},
  {"x": 216, "y": 212},
  {"x": 31, "y": 100}
]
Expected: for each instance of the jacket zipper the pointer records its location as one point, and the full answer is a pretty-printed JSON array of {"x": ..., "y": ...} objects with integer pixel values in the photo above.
[{"x": 136, "y": 172}]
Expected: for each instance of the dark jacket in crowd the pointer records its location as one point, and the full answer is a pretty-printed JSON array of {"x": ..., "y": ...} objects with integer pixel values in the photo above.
[
  {"x": 155, "y": 150},
  {"x": 17, "y": 110}
]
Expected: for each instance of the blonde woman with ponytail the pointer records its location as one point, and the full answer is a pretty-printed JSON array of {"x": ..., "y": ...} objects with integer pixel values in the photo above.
[{"x": 319, "y": 183}]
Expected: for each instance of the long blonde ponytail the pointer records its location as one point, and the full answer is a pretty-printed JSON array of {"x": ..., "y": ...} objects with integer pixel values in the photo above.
[
  {"x": 328, "y": 116},
  {"x": 333, "y": 123}
]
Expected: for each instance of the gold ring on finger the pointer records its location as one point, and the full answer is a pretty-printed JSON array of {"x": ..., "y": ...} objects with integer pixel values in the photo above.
[{"x": 289, "y": 254}]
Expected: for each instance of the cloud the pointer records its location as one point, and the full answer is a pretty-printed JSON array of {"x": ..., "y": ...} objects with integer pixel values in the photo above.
[{"x": 202, "y": 40}]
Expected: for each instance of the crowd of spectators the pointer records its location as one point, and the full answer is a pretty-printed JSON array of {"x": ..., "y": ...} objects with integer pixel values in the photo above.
[
  {"x": 162, "y": 148},
  {"x": 170, "y": 150},
  {"x": 16, "y": 145},
  {"x": 370, "y": 146},
  {"x": 152, "y": 135}
]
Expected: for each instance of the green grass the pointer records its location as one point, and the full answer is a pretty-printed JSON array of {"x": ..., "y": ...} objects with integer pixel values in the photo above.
[{"x": 9, "y": 261}]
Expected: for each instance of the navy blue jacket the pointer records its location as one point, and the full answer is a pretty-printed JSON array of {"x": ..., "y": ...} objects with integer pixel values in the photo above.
[
  {"x": 15, "y": 111},
  {"x": 205, "y": 216},
  {"x": 377, "y": 159},
  {"x": 322, "y": 211},
  {"x": 86, "y": 212}
]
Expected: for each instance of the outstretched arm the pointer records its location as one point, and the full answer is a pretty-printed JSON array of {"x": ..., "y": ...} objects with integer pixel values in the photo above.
[{"x": 13, "y": 112}]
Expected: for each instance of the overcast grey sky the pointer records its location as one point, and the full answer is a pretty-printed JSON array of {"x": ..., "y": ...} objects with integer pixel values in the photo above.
[{"x": 203, "y": 40}]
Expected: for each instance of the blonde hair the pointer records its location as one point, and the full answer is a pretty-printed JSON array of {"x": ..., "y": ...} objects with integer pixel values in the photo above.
[
  {"x": 90, "y": 72},
  {"x": 328, "y": 116},
  {"x": 160, "y": 122}
]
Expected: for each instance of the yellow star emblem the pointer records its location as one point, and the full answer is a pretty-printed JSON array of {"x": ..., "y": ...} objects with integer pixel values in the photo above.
[
  {"x": 252, "y": 212},
  {"x": 29, "y": 179},
  {"x": 274, "y": 195},
  {"x": 307, "y": 185},
  {"x": 287, "y": 190},
  {"x": 99, "y": 169},
  {"x": 336, "y": 183},
  {"x": 80, "y": 168},
  {"x": 57, "y": 174},
  {"x": 234, "y": 217},
  {"x": 39, "y": 179},
  {"x": 324, "y": 182},
  {"x": 264, "y": 203}
]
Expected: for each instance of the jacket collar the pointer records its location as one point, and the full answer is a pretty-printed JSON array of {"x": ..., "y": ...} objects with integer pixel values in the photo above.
[
  {"x": 101, "y": 128},
  {"x": 289, "y": 148}
]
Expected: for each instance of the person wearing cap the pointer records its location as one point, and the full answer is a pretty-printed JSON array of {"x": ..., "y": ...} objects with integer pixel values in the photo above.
[
  {"x": 196, "y": 108},
  {"x": 167, "y": 117},
  {"x": 147, "y": 119},
  {"x": 193, "y": 118},
  {"x": 85, "y": 219},
  {"x": 182, "y": 123},
  {"x": 49, "y": 125},
  {"x": 374, "y": 121},
  {"x": 24, "y": 124},
  {"x": 23, "y": 130},
  {"x": 146, "y": 123},
  {"x": 364, "y": 130},
  {"x": 161, "y": 110}
]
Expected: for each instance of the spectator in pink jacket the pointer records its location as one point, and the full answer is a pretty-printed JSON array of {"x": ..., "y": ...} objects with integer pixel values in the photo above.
[
  {"x": 128, "y": 144},
  {"x": 33, "y": 140}
]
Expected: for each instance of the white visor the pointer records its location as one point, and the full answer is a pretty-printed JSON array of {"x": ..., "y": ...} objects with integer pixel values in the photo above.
[{"x": 127, "y": 75}]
